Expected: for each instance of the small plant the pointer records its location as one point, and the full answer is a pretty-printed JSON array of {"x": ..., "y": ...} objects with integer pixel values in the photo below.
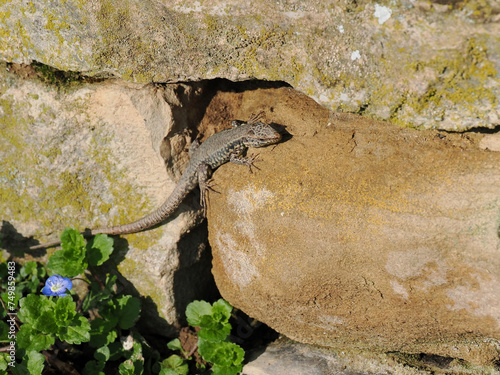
[
  {"x": 213, "y": 344},
  {"x": 174, "y": 365},
  {"x": 52, "y": 76},
  {"x": 43, "y": 320},
  {"x": 14, "y": 283},
  {"x": 99, "y": 321}
]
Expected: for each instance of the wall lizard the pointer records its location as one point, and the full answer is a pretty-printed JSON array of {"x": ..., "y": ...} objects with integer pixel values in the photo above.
[{"x": 225, "y": 146}]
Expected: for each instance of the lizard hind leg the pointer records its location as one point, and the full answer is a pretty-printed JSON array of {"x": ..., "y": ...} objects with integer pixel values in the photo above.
[{"x": 206, "y": 184}]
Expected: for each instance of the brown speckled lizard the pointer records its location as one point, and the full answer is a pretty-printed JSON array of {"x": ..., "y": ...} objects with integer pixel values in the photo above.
[{"x": 226, "y": 145}]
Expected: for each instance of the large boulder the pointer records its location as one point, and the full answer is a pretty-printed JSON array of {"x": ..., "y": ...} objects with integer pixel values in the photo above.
[{"x": 359, "y": 234}]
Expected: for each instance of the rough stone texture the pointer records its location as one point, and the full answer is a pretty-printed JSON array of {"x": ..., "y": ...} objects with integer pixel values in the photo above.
[
  {"x": 412, "y": 251},
  {"x": 359, "y": 234},
  {"x": 430, "y": 64},
  {"x": 86, "y": 155},
  {"x": 286, "y": 357}
]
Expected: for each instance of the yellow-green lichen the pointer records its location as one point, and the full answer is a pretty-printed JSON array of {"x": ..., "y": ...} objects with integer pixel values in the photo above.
[
  {"x": 14, "y": 196},
  {"x": 126, "y": 211},
  {"x": 253, "y": 58},
  {"x": 33, "y": 190},
  {"x": 55, "y": 24},
  {"x": 58, "y": 44},
  {"x": 462, "y": 82},
  {"x": 31, "y": 7},
  {"x": 120, "y": 38},
  {"x": 459, "y": 87},
  {"x": 478, "y": 9},
  {"x": 23, "y": 34}
]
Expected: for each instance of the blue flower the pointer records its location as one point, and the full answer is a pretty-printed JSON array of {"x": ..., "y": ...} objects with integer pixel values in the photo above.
[{"x": 57, "y": 286}]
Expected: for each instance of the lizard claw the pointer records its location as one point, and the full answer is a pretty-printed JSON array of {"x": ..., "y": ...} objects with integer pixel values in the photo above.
[
  {"x": 207, "y": 186},
  {"x": 250, "y": 161}
]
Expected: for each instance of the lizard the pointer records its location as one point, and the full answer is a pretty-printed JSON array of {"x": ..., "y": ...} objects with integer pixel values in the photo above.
[{"x": 228, "y": 145}]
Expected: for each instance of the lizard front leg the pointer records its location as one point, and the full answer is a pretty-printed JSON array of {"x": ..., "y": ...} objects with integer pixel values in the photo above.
[
  {"x": 253, "y": 119},
  {"x": 249, "y": 161}
]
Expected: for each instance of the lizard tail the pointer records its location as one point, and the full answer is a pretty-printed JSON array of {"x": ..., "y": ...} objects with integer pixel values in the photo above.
[{"x": 148, "y": 221}]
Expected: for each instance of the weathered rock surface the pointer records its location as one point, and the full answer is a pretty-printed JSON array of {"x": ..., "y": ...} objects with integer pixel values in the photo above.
[
  {"x": 286, "y": 357},
  {"x": 359, "y": 234},
  {"x": 93, "y": 154},
  {"x": 418, "y": 63}
]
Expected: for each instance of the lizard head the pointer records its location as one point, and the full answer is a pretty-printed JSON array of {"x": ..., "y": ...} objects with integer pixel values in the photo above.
[{"x": 260, "y": 135}]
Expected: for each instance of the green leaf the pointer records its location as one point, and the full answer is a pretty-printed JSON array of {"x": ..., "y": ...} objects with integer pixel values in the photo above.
[
  {"x": 3, "y": 271},
  {"x": 94, "y": 368},
  {"x": 46, "y": 323},
  {"x": 32, "y": 285},
  {"x": 126, "y": 368},
  {"x": 137, "y": 351},
  {"x": 116, "y": 351},
  {"x": 32, "y": 306},
  {"x": 30, "y": 268},
  {"x": 35, "y": 362},
  {"x": 195, "y": 310},
  {"x": 129, "y": 311},
  {"x": 175, "y": 344},
  {"x": 102, "y": 333},
  {"x": 20, "y": 369},
  {"x": 102, "y": 354},
  {"x": 77, "y": 332},
  {"x": 30, "y": 339},
  {"x": 110, "y": 282},
  {"x": 174, "y": 365},
  {"x": 3, "y": 361},
  {"x": 213, "y": 320},
  {"x": 8, "y": 301},
  {"x": 222, "y": 353},
  {"x": 91, "y": 299},
  {"x": 67, "y": 264},
  {"x": 70, "y": 261},
  {"x": 221, "y": 310},
  {"x": 213, "y": 330},
  {"x": 110, "y": 312},
  {"x": 73, "y": 242},
  {"x": 65, "y": 311},
  {"x": 226, "y": 370},
  {"x": 99, "y": 250},
  {"x": 4, "y": 331}
]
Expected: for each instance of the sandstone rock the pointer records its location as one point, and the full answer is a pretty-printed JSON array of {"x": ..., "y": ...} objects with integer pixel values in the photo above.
[
  {"x": 359, "y": 234},
  {"x": 291, "y": 358},
  {"x": 286, "y": 357},
  {"x": 421, "y": 64},
  {"x": 491, "y": 142},
  {"x": 90, "y": 155}
]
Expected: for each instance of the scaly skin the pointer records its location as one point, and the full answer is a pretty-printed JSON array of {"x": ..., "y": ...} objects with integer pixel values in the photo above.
[{"x": 225, "y": 146}]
